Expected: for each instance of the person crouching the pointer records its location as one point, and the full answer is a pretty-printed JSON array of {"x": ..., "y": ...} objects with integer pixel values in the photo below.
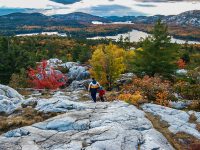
[{"x": 102, "y": 92}]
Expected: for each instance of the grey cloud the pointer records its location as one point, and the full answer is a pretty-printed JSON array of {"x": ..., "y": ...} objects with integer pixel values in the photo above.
[
  {"x": 145, "y": 5},
  {"x": 111, "y": 10},
  {"x": 66, "y": 1},
  {"x": 165, "y": 0},
  {"x": 6, "y": 11}
]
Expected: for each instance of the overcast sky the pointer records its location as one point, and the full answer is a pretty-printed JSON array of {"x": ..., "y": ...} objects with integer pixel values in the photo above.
[{"x": 100, "y": 7}]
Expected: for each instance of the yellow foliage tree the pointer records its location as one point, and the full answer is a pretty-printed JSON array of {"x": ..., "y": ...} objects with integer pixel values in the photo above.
[
  {"x": 108, "y": 62},
  {"x": 129, "y": 55},
  {"x": 69, "y": 57}
]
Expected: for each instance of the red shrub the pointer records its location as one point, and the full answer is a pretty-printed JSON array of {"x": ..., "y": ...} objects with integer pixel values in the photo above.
[
  {"x": 43, "y": 79},
  {"x": 181, "y": 63}
]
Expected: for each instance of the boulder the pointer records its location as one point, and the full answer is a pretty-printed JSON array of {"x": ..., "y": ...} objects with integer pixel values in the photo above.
[
  {"x": 78, "y": 73},
  {"x": 125, "y": 78},
  {"x": 74, "y": 69},
  {"x": 10, "y": 99},
  {"x": 7, "y": 106},
  {"x": 30, "y": 102},
  {"x": 77, "y": 85},
  {"x": 54, "y": 62},
  {"x": 16, "y": 133},
  {"x": 179, "y": 104},
  {"x": 69, "y": 65},
  {"x": 182, "y": 72},
  {"x": 9, "y": 92}
]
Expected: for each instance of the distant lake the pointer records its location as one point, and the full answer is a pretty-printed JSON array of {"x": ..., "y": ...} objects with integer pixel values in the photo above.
[
  {"x": 136, "y": 35},
  {"x": 43, "y": 33}
]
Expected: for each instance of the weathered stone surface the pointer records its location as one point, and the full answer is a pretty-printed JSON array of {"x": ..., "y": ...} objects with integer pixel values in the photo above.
[
  {"x": 60, "y": 102},
  {"x": 96, "y": 126},
  {"x": 32, "y": 102},
  {"x": 78, "y": 73},
  {"x": 182, "y": 72},
  {"x": 17, "y": 133},
  {"x": 125, "y": 78},
  {"x": 10, "y": 99},
  {"x": 7, "y": 106},
  {"x": 177, "y": 119},
  {"x": 9, "y": 92},
  {"x": 54, "y": 62},
  {"x": 179, "y": 104},
  {"x": 69, "y": 64},
  {"x": 77, "y": 85}
]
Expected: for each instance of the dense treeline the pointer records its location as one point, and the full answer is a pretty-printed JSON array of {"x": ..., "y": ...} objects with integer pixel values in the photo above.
[
  {"x": 154, "y": 60},
  {"x": 20, "y": 53},
  {"x": 23, "y": 52}
]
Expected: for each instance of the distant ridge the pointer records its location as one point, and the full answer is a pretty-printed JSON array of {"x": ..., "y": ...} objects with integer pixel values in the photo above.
[
  {"x": 76, "y": 19},
  {"x": 80, "y": 17},
  {"x": 185, "y": 25},
  {"x": 188, "y": 18}
]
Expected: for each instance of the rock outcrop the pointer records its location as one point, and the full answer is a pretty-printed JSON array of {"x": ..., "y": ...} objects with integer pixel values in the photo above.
[
  {"x": 178, "y": 120},
  {"x": 60, "y": 102},
  {"x": 10, "y": 99},
  {"x": 96, "y": 126},
  {"x": 84, "y": 125},
  {"x": 9, "y": 92},
  {"x": 179, "y": 104},
  {"x": 77, "y": 85},
  {"x": 125, "y": 78},
  {"x": 76, "y": 71}
]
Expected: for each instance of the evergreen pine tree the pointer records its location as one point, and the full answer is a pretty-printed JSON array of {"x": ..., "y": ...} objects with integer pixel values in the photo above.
[{"x": 158, "y": 54}]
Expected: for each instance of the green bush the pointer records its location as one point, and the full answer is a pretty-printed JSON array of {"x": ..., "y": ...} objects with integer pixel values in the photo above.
[
  {"x": 19, "y": 80},
  {"x": 188, "y": 86},
  {"x": 188, "y": 90}
]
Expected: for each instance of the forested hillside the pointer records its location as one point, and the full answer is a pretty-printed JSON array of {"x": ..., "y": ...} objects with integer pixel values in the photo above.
[{"x": 185, "y": 25}]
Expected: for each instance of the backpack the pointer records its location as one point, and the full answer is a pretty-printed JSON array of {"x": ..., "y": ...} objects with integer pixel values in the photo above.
[{"x": 94, "y": 86}]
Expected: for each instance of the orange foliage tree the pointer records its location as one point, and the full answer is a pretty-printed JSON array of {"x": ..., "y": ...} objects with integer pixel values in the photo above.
[{"x": 151, "y": 88}]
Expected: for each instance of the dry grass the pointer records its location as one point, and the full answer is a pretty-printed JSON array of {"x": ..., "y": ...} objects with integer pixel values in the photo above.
[
  {"x": 198, "y": 127},
  {"x": 25, "y": 92},
  {"x": 180, "y": 141},
  {"x": 23, "y": 117},
  {"x": 192, "y": 118},
  {"x": 111, "y": 95},
  {"x": 45, "y": 96},
  {"x": 195, "y": 105}
]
